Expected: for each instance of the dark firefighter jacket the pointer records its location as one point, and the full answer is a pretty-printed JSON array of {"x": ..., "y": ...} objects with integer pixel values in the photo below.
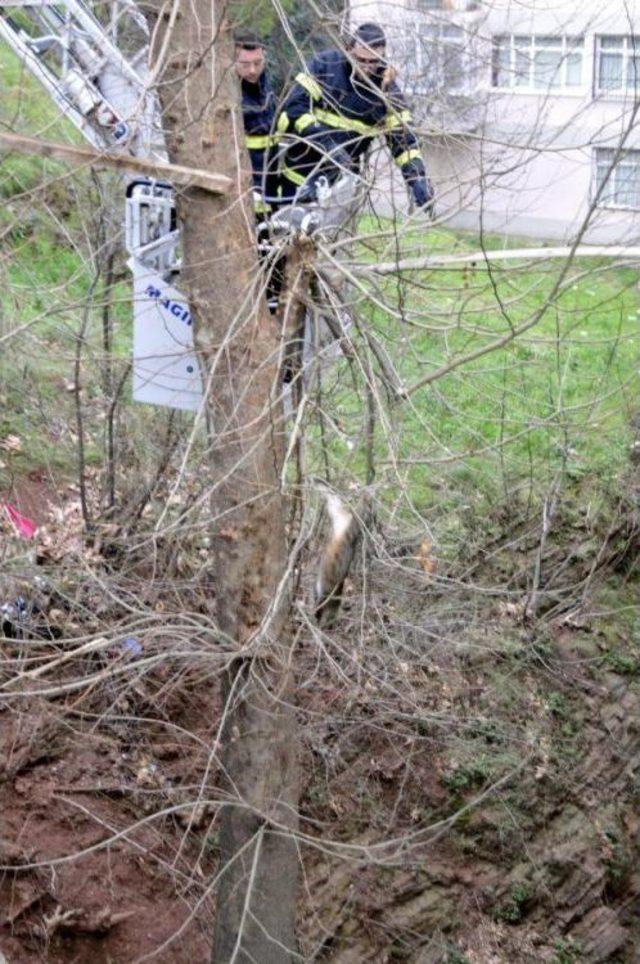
[
  {"x": 259, "y": 114},
  {"x": 329, "y": 107}
]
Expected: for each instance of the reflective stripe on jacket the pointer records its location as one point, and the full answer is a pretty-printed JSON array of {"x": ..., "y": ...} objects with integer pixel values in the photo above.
[{"x": 330, "y": 107}]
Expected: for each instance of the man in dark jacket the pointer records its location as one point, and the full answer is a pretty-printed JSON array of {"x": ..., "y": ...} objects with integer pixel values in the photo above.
[
  {"x": 337, "y": 106},
  {"x": 259, "y": 113}
]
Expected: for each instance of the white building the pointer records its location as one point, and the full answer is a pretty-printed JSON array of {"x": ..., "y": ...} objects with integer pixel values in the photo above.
[{"x": 529, "y": 110}]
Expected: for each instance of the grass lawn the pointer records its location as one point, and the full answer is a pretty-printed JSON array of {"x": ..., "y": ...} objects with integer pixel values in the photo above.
[
  {"x": 558, "y": 401},
  {"x": 49, "y": 225}
]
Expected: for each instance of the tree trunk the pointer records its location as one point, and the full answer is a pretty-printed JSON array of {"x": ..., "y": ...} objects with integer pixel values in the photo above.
[{"x": 237, "y": 340}]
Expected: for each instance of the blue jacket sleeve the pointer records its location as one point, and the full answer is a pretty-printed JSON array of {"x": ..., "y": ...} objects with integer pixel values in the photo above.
[{"x": 405, "y": 146}]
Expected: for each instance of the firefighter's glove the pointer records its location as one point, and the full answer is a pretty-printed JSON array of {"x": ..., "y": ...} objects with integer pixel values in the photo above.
[
  {"x": 308, "y": 192},
  {"x": 260, "y": 206},
  {"x": 424, "y": 195}
]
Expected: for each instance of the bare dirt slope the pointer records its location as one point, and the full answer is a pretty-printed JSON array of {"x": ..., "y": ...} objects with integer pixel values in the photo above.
[{"x": 471, "y": 776}]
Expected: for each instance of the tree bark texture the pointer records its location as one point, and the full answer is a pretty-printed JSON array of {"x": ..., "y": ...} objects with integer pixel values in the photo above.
[{"x": 192, "y": 53}]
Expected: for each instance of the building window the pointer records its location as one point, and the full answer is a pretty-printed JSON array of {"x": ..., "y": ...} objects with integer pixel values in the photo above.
[
  {"x": 623, "y": 186},
  {"x": 439, "y": 57},
  {"x": 536, "y": 62},
  {"x": 617, "y": 64}
]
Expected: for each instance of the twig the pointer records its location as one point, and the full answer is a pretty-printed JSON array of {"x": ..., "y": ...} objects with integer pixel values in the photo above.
[
  {"x": 90, "y": 157},
  {"x": 478, "y": 258},
  {"x": 82, "y": 482}
]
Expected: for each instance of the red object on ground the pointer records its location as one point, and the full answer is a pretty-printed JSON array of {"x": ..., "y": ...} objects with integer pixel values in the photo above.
[{"x": 25, "y": 527}]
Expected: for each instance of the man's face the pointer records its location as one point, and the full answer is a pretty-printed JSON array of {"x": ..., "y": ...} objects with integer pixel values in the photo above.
[
  {"x": 368, "y": 60},
  {"x": 250, "y": 64}
]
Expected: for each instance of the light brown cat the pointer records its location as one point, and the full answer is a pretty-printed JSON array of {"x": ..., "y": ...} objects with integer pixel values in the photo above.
[{"x": 336, "y": 559}]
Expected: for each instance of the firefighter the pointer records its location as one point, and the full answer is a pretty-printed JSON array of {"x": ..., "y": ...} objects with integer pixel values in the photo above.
[
  {"x": 336, "y": 107},
  {"x": 259, "y": 115}
]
